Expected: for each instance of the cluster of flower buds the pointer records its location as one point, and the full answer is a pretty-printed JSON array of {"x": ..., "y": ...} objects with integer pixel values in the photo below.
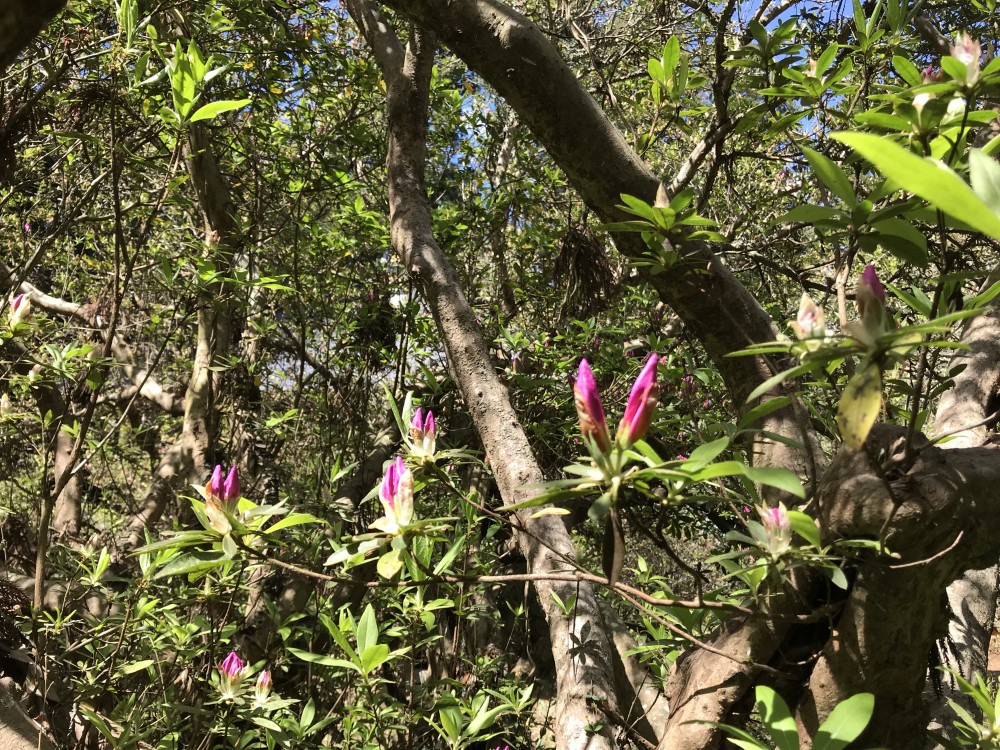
[
  {"x": 639, "y": 409},
  {"x": 423, "y": 435},
  {"x": 222, "y": 499},
  {"x": 232, "y": 673},
  {"x": 777, "y": 529},
  {"x": 20, "y": 309},
  {"x": 396, "y": 494}
]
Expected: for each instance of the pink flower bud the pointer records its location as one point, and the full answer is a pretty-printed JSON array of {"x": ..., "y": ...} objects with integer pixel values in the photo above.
[
  {"x": 20, "y": 308},
  {"x": 593, "y": 423},
  {"x": 423, "y": 434},
  {"x": 810, "y": 322},
  {"x": 967, "y": 51},
  {"x": 777, "y": 528},
  {"x": 214, "y": 488},
  {"x": 232, "y": 665},
  {"x": 263, "y": 686},
  {"x": 231, "y": 488},
  {"x": 396, "y": 495},
  {"x": 870, "y": 299},
  {"x": 641, "y": 404}
]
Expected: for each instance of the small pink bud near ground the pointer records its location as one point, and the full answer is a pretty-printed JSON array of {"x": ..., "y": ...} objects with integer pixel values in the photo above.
[
  {"x": 641, "y": 404},
  {"x": 20, "y": 308},
  {"x": 810, "y": 322},
  {"x": 593, "y": 423}
]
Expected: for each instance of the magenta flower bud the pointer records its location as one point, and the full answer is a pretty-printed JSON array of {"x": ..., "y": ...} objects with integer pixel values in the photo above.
[
  {"x": 396, "y": 494},
  {"x": 232, "y": 665},
  {"x": 593, "y": 423},
  {"x": 870, "y": 299},
  {"x": 214, "y": 488},
  {"x": 777, "y": 529},
  {"x": 231, "y": 487},
  {"x": 20, "y": 308},
  {"x": 423, "y": 433},
  {"x": 641, "y": 404}
]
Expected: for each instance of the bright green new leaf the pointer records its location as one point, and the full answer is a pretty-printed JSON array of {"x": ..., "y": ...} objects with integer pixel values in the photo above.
[
  {"x": 984, "y": 174},
  {"x": 932, "y": 180},
  {"x": 776, "y": 717},
  {"x": 210, "y": 110},
  {"x": 859, "y": 406},
  {"x": 832, "y": 176},
  {"x": 845, "y": 723}
]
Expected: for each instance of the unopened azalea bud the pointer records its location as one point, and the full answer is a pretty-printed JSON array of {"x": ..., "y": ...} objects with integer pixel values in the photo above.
[
  {"x": 396, "y": 495},
  {"x": 967, "y": 51},
  {"x": 810, "y": 322},
  {"x": 641, "y": 404},
  {"x": 231, "y": 673},
  {"x": 920, "y": 101},
  {"x": 870, "y": 298},
  {"x": 214, "y": 488},
  {"x": 263, "y": 687},
  {"x": 231, "y": 488},
  {"x": 777, "y": 528},
  {"x": 589, "y": 409},
  {"x": 232, "y": 665},
  {"x": 423, "y": 434},
  {"x": 20, "y": 308}
]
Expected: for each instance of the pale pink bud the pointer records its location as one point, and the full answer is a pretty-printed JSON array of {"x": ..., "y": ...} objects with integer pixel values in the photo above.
[
  {"x": 263, "y": 687},
  {"x": 593, "y": 423},
  {"x": 641, "y": 404},
  {"x": 423, "y": 433},
  {"x": 967, "y": 51},
  {"x": 20, "y": 308},
  {"x": 810, "y": 322},
  {"x": 777, "y": 528}
]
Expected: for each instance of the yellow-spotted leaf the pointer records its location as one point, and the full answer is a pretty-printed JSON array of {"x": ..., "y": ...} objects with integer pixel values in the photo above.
[{"x": 859, "y": 406}]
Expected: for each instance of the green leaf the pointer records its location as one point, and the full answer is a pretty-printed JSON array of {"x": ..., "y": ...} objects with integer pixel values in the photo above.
[
  {"x": 782, "y": 479},
  {"x": 210, "y": 110},
  {"x": 192, "y": 562},
  {"x": 292, "y": 519},
  {"x": 907, "y": 70},
  {"x": 137, "y": 666},
  {"x": 932, "y": 180},
  {"x": 390, "y": 563},
  {"x": 845, "y": 723},
  {"x": 762, "y": 410},
  {"x": 831, "y": 175},
  {"x": 984, "y": 174},
  {"x": 859, "y": 406},
  {"x": 323, "y": 660},
  {"x": 367, "y": 630},
  {"x": 776, "y": 717},
  {"x": 804, "y": 526},
  {"x": 373, "y": 657},
  {"x": 706, "y": 453}
]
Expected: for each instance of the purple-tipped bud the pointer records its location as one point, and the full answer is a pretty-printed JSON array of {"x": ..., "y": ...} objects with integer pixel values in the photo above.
[
  {"x": 417, "y": 424},
  {"x": 870, "y": 298},
  {"x": 232, "y": 665},
  {"x": 396, "y": 494},
  {"x": 423, "y": 433},
  {"x": 593, "y": 423},
  {"x": 641, "y": 404},
  {"x": 263, "y": 687},
  {"x": 777, "y": 528},
  {"x": 231, "y": 487},
  {"x": 20, "y": 308},
  {"x": 214, "y": 488}
]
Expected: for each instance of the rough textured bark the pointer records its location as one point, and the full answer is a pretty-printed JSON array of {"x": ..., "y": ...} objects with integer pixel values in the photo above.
[
  {"x": 938, "y": 515},
  {"x": 20, "y": 22},
  {"x": 585, "y": 700}
]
